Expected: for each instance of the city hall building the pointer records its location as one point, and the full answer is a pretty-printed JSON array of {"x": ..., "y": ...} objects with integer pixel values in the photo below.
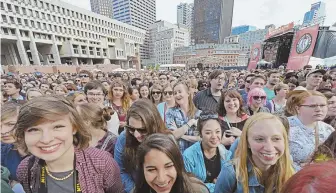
[{"x": 45, "y": 32}]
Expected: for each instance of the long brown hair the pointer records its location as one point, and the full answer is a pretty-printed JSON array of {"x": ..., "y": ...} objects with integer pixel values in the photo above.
[
  {"x": 126, "y": 101},
  {"x": 166, "y": 145},
  {"x": 232, "y": 94},
  {"x": 146, "y": 112},
  {"x": 51, "y": 108}
]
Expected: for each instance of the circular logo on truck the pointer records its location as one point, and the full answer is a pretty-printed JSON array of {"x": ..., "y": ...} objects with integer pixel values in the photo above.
[
  {"x": 304, "y": 43},
  {"x": 255, "y": 53}
]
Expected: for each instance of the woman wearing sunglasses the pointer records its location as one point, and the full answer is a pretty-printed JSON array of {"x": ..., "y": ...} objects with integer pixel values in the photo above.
[
  {"x": 51, "y": 129},
  {"x": 204, "y": 159},
  {"x": 156, "y": 94},
  {"x": 256, "y": 101},
  {"x": 142, "y": 120},
  {"x": 161, "y": 168},
  {"x": 168, "y": 99},
  {"x": 11, "y": 153}
]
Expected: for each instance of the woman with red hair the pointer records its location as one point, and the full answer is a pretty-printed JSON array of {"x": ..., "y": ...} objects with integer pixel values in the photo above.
[{"x": 314, "y": 178}]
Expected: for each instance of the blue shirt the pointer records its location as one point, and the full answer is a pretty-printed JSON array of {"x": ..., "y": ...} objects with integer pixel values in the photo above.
[
  {"x": 269, "y": 93},
  {"x": 194, "y": 162},
  {"x": 227, "y": 181},
  {"x": 10, "y": 159},
  {"x": 126, "y": 177},
  {"x": 175, "y": 118}
]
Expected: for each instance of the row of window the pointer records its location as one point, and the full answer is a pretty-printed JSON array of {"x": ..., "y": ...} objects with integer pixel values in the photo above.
[{"x": 64, "y": 12}]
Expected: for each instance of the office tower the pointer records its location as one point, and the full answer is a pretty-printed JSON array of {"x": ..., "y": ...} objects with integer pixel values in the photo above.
[
  {"x": 212, "y": 20},
  {"x": 242, "y": 29},
  {"x": 316, "y": 15},
  {"x": 138, "y": 13},
  {"x": 102, "y": 7}
]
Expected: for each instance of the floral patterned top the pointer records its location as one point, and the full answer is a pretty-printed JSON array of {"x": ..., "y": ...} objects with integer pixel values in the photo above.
[{"x": 302, "y": 140}]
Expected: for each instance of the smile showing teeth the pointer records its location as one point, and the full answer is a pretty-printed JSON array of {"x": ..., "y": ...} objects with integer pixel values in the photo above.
[
  {"x": 162, "y": 185},
  {"x": 268, "y": 155},
  {"x": 50, "y": 148}
]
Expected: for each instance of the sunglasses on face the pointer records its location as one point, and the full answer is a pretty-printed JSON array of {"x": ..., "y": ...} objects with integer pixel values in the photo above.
[
  {"x": 83, "y": 76},
  {"x": 259, "y": 97},
  {"x": 156, "y": 92},
  {"x": 168, "y": 92},
  {"x": 142, "y": 131}
]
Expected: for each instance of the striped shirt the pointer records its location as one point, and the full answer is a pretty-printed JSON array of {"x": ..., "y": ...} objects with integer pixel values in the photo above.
[{"x": 204, "y": 100}]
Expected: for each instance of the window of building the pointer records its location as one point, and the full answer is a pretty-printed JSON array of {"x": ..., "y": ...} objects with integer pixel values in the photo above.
[
  {"x": 26, "y": 22},
  {"x": 43, "y": 15},
  {"x": 32, "y": 23},
  {"x": 38, "y": 25},
  {"x": 48, "y": 16},
  {"x": 9, "y": 7},
  {"x": 4, "y": 18},
  {"x": 52, "y": 7},
  {"x": 5, "y": 31},
  {"x": 11, "y": 19}
]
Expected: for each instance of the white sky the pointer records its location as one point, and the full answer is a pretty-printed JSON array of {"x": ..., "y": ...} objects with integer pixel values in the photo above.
[{"x": 247, "y": 12}]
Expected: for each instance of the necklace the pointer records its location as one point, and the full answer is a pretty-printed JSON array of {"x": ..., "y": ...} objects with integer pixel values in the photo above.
[{"x": 59, "y": 179}]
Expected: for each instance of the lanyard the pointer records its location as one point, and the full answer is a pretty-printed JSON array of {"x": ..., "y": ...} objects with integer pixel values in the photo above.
[
  {"x": 43, "y": 188},
  {"x": 227, "y": 122}
]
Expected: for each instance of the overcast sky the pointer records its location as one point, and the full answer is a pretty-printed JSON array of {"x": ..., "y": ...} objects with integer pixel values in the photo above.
[{"x": 247, "y": 12}]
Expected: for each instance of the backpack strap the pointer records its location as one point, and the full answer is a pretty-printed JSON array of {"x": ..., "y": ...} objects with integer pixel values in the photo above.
[{"x": 30, "y": 165}]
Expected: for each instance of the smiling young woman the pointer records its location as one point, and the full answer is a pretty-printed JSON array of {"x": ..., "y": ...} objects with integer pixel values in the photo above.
[
  {"x": 161, "y": 168},
  {"x": 204, "y": 159},
  {"x": 56, "y": 136},
  {"x": 142, "y": 120},
  {"x": 262, "y": 161}
]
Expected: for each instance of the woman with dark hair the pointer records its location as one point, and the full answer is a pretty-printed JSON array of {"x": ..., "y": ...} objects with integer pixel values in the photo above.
[
  {"x": 143, "y": 120},
  {"x": 327, "y": 150},
  {"x": 51, "y": 129},
  {"x": 144, "y": 91},
  {"x": 156, "y": 94},
  {"x": 204, "y": 159},
  {"x": 133, "y": 92},
  {"x": 161, "y": 168},
  {"x": 232, "y": 116}
]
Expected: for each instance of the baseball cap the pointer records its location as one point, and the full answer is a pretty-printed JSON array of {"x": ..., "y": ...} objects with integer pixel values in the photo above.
[{"x": 316, "y": 71}]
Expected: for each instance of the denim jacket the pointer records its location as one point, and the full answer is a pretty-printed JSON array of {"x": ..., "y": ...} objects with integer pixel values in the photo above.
[
  {"x": 126, "y": 178},
  {"x": 227, "y": 182},
  {"x": 194, "y": 162}
]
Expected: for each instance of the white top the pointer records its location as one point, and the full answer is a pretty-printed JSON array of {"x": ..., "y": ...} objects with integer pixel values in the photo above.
[{"x": 302, "y": 139}]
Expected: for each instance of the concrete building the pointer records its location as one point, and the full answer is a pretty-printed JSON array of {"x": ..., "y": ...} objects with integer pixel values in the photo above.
[
  {"x": 102, "y": 7},
  {"x": 233, "y": 39},
  {"x": 242, "y": 29},
  {"x": 246, "y": 41},
  {"x": 54, "y": 32},
  {"x": 212, "y": 21},
  {"x": 316, "y": 14},
  {"x": 138, "y": 13},
  {"x": 164, "y": 38},
  {"x": 210, "y": 55}
]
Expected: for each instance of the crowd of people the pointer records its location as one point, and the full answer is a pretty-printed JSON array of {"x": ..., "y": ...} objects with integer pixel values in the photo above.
[{"x": 192, "y": 131}]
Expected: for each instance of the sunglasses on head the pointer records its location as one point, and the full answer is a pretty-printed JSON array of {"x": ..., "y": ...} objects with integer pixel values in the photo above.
[
  {"x": 168, "y": 92},
  {"x": 156, "y": 92},
  {"x": 209, "y": 116},
  {"x": 142, "y": 131},
  {"x": 83, "y": 76},
  {"x": 259, "y": 97}
]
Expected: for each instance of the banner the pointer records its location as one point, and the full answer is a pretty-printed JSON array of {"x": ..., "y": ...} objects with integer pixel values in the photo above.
[
  {"x": 279, "y": 30},
  {"x": 255, "y": 56},
  {"x": 303, "y": 47}
]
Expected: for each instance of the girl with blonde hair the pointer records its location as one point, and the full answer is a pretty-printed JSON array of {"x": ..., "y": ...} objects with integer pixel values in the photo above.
[{"x": 262, "y": 161}]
